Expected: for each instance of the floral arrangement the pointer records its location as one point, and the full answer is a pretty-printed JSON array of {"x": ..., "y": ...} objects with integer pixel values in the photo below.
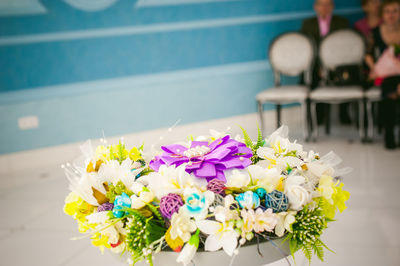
[{"x": 210, "y": 193}]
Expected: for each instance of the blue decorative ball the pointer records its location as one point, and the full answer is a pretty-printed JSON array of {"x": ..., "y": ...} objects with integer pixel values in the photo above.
[
  {"x": 119, "y": 203},
  {"x": 277, "y": 201},
  {"x": 261, "y": 192}
]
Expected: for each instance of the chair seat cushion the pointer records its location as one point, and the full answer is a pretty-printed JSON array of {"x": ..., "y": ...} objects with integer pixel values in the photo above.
[
  {"x": 283, "y": 94},
  {"x": 333, "y": 93},
  {"x": 373, "y": 94}
]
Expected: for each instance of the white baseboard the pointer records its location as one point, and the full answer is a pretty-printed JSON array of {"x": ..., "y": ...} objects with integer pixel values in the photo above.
[{"x": 50, "y": 157}]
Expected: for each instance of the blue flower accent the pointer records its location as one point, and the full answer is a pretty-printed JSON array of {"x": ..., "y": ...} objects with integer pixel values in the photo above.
[
  {"x": 195, "y": 204},
  {"x": 248, "y": 200},
  {"x": 121, "y": 202}
]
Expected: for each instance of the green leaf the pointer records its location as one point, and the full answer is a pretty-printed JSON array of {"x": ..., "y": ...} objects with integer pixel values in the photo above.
[
  {"x": 260, "y": 141},
  {"x": 247, "y": 139},
  {"x": 307, "y": 250},
  {"x": 319, "y": 250}
]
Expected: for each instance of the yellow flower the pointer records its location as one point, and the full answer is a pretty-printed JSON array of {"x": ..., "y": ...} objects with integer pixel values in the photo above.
[
  {"x": 78, "y": 208},
  {"x": 101, "y": 241},
  {"x": 102, "y": 153},
  {"x": 134, "y": 154},
  {"x": 326, "y": 187},
  {"x": 337, "y": 201}
]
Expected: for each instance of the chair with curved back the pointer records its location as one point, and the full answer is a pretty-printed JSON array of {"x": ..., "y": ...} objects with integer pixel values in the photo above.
[
  {"x": 340, "y": 48},
  {"x": 290, "y": 54}
]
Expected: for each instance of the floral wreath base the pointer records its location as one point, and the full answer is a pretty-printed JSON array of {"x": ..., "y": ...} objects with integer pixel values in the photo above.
[{"x": 214, "y": 193}]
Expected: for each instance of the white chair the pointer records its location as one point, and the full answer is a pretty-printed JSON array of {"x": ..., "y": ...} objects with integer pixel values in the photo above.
[
  {"x": 290, "y": 54},
  {"x": 373, "y": 95},
  {"x": 342, "y": 47}
]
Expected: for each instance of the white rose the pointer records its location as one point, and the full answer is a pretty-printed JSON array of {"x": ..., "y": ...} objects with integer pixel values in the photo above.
[
  {"x": 237, "y": 178},
  {"x": 146, "y": 196},
  {"x": 298, "y": 195},
  {"x": 136, "y": 202}
]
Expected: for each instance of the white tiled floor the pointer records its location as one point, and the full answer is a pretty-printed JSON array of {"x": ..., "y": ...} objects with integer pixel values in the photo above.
[{"x": 34, "y": 230}]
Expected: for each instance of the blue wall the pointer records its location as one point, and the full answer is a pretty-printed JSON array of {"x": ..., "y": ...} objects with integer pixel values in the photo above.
[{"x": 132, "y": 67}]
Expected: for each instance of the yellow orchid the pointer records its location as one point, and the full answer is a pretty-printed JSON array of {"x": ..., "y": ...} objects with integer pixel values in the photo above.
[
  {"x": 326, "y": 187},
  {"x": 78, "y": 208},
  {"x": 333, "y": 198},
  {"x": 134, "y": 154},
  {"x": 101, "y": 241}
]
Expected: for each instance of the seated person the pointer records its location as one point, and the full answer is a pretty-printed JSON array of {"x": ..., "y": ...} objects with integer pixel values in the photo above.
[
  {"x": 317, "y": 28},
  {"x": 388, "y": 33},
  {"x": 371, "y": 20}
]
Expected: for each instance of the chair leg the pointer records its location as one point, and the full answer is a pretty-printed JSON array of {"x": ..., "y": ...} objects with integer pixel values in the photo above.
[
  {"x": 327, "y": 119},
  {"x": 278, "y": 115},
  {"x": 370, "y": 121},
  {"x": 305, "y": 121},
  {"x": 314, "y": 123},
  {"x": 261, "y": 114},
  {"x": 361, "y": 119}
]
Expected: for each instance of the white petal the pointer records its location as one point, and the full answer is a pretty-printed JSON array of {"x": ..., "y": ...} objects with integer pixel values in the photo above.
[
  {"x": 208, "y": 227},
  {"x": 213, "y": 243},
  {"x": 186, "y": 254},
  {"x": 229, "y": 242}
]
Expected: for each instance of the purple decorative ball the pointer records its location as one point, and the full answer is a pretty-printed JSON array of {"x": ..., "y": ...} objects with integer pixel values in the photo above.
[
  {"x": 170, "y": 204},
  {"x": 105, "y": 207},
  {"x": 217, "y": 186}
]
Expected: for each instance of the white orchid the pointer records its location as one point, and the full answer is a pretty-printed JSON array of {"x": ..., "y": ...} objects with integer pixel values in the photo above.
[
  {"x": 285, "y": 220},
  {"x": 237, "y": 178},
  {"x": 116, "y": 172},
  {"x": 224, "y": 213},
  {"x": 220, "y": 235},
  {"x": 171, "y": 179},
  {"x": 265, "y": 178}
]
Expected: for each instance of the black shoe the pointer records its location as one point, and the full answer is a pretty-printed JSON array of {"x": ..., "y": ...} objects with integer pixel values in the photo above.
[{"x": 390, "y": 144}]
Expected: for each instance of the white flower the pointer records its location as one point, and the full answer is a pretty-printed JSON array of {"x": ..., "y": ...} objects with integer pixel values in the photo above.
[
  {"x": 189, "y": 250},
  {"x": 171, "y": 179},
  {"x": 248, "y": 221},
  {"x": 186, "y": 254},
  {"x": 97, "y": 218},
  {"x": 224, "y": 213},
  {"x": 265, "y": 178},
  {"x": 268, "y": 154},
  {"x": 119, "y": 172},
  {"x": 237, "y": 178},
  {"x": 111, "y": 233},
  {"x": 264, "y": 220},
  {"x": 182, "y": 226},
  {"x": 221, "y": 235},
  {"x": 286, "y": 219},
  {"x": 136, "y": 202},
  {"x": 197, "y": 203},
  {"x": 297, "y": 194},
  {"x": 82, "y": 183}
]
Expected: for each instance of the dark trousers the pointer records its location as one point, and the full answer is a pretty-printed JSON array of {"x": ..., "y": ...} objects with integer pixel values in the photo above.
[{"x": 389, "y": 116}]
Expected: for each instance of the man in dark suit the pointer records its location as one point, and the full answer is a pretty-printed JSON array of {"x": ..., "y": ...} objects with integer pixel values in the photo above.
[
  {"x": 321, "y": 25},
  {"x": 317, "y": 28}
]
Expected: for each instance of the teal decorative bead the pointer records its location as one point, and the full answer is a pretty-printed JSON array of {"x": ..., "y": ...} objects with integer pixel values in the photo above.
[{"x": 261, "y": 192}]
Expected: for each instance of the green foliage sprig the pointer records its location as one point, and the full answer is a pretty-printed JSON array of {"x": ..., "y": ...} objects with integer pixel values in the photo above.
[
  {"x": 306, "y": 232},
  {"x": 116, "y": 190},
  {"x": 254, "y": 145}
]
